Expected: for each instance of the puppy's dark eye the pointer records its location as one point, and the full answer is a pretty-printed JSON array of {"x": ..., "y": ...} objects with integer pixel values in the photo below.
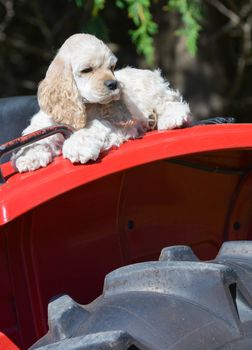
[
  {"x": 112, "y": 68},
  {"x": 86, "y": 70}
]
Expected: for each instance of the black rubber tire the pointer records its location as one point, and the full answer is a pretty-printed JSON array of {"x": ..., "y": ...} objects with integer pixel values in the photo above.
[{"x": 176, "y": 303}]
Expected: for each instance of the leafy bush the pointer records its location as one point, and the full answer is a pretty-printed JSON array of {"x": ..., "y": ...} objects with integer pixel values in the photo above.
[{"x": 139, "y": 11}]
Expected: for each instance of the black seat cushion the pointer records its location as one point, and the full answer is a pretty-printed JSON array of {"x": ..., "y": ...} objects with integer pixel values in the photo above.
[{"x": 15, "y": 115}]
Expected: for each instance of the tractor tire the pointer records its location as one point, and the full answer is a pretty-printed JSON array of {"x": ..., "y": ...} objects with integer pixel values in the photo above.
[{"x": 176, "y": 303}]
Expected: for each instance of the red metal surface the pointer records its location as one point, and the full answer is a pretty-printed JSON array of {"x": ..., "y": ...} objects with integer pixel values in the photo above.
[
  {"x": 64, "y": 246},
  {"x": 239, "y": 223},
  {"x": 61, "y": 175},
  {"x": 6, "y": 343},
  {"x": 64, "y": 227}
]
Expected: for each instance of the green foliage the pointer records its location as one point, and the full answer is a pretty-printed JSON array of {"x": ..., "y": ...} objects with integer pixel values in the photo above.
[
  {"x": 142, "y": 36},
  {"x": 190, "y": 11},
  {"x": 79, "y": 3},
  {"x": 97, "y": 26},
  {"x": 98, "y": 6},
  {"x": 139, "y": 11}
]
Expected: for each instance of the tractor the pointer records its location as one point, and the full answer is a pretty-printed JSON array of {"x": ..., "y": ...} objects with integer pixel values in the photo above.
[{"x": 149, "y": 247}]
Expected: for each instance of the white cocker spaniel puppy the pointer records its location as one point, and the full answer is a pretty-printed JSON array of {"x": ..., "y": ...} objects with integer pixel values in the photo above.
[{"x": 105, "y": 107}]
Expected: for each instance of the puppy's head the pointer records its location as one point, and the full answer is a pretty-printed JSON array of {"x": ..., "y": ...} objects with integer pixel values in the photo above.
[{"x": 81, "y": 72}]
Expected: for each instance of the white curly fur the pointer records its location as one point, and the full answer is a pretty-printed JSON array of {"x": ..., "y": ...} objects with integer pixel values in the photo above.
[{"x": 75, "y": 92}]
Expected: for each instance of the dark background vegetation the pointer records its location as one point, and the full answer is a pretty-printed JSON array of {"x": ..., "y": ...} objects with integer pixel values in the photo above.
[{"x": 216, "y": 81}]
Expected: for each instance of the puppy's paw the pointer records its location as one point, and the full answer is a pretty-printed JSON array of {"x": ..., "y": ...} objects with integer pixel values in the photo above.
[
  {"x": 79, "y": 150},
  {"x": 177, "y": 115},
  {"x": 31, "y": 158}
]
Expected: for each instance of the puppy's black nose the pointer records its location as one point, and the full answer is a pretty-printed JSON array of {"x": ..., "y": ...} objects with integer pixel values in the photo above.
[{"x": 111, "y": 84}]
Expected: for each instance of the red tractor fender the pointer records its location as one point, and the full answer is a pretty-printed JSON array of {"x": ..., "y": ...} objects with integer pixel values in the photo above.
[
  {"x": 22, "y": 192},
  {"x": 64, "y": 227}
]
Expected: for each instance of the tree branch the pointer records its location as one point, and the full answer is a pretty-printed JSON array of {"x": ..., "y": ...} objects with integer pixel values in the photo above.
[{"x": 8, "y": 5}]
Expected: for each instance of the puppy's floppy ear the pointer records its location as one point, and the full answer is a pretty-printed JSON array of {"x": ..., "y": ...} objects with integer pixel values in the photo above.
[{"x": 58, "y": 95}]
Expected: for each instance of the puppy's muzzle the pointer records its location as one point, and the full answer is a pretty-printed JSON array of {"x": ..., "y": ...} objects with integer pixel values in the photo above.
[{"x": 111, "y": 84}]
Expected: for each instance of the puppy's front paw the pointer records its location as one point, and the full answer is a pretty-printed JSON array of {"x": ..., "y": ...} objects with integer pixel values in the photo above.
[
  {"x": 177, "y": 115},
  {"x": 31, "y": 158},
  {"x": 78, "y": 150}
]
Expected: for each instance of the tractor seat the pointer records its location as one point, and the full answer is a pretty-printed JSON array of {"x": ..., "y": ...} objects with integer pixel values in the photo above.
[{"x": 15, "y": 115}]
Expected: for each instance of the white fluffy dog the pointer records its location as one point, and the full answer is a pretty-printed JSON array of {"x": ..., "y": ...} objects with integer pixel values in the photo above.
[{"x": 105, "y": 107}]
